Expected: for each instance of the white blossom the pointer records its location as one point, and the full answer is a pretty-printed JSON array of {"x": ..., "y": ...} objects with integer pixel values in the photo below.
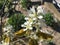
[
  {"x": 7, "y": 29},
  {"x": 40, "y": 9},
  {"x": 32, "y": 9},
  {"x": 26, "y": 23},
  {"x": 4, "y": 43},
  {"x": 26, "y": 18},
  {"x": 31, "y": 15},
  {"x": 22, "y": 25},
  {"x": 28, "y": 27},
  {"x": 24, "y": 29},
  {"x": 40, "y": 17},
  {"x": 35, "y": 37},
  {"x": 34, "y": 18},
  {"x": 31, "y": 23}
]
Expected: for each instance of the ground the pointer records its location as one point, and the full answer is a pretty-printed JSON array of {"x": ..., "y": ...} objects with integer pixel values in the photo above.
[{"x": 56, "y": 35}]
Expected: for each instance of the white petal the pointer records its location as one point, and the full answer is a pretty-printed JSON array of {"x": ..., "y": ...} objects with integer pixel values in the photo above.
[
  {"x": 33, "y": 9},
  {"x": 25, "y": 23},
  {"x": 26, "y": 18},
  {"x": 31, "y": 23},
  {"x": 5, "y": 29},
  {"x": 30, "y": 28},
  {"x": 22, "y": 25},
  {"x": 40, "y": 17},
  {"x": 31, "y": 15},
  {"x": 34, "y": 18},
  {"x": 24, "y": 29},
  {"x": 40, "y": 9}
]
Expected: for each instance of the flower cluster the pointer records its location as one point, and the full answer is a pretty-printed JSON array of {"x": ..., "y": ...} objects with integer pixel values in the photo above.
[
  {"x": 7, "y": 34},
  {"x": 33, "y": 18},
  {"x": 7, "y": 29}
]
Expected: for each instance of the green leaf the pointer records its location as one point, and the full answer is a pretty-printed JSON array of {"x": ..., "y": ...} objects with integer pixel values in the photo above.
[{"x": 16, "y": 20}]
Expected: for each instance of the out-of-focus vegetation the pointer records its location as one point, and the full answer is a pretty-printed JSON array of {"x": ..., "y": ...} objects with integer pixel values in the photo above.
[
  {"x": 16, "y": 20},
  {"x": 33, "y": 42},
  {"x": 24, "y": 3},
  {"x": 49, "y": 19}
]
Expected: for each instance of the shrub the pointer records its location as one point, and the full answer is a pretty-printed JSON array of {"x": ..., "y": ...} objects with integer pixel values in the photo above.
[
  {"x": 24, "y": 3},
  {"x": 16, "y": 20},
  {"x": 49, "y": 19},
  {"x": 1, "y": 3}
]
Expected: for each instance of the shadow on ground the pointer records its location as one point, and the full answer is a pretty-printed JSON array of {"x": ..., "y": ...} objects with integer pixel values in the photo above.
[
  {"x": 56, "y": 27},
  {"x": 51, "y": 43}
]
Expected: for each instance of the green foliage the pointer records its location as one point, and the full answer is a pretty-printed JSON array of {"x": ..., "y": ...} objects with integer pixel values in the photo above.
[
  {"x": 6, "y": 4},
  {"x": 49, "y": 19},
  {"x": 1, "y": 3},
  {"x": 24, "y": 3},
  {"x": 16, "y": 20}
]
